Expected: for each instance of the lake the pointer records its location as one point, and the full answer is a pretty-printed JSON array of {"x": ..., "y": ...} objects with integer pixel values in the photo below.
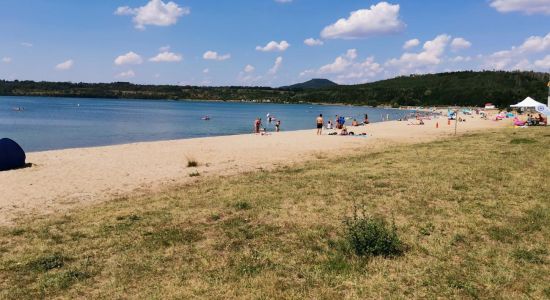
[{"x": 60, "y": 123}]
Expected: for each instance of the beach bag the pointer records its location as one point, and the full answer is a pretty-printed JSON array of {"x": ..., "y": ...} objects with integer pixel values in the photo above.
[{"x": 12, "y": 155}]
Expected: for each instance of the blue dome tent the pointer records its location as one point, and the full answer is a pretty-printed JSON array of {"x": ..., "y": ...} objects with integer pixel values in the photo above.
[{"x": 12, "y": 155}]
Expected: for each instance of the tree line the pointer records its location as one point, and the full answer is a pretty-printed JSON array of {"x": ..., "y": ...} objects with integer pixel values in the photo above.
[{"x": 467, "y": 88}]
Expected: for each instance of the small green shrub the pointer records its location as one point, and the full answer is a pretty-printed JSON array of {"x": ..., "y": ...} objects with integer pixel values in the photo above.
[
  {"x": 369, "y": 236},
  {"x": 535, "y": 256},
  {"x": 191, "y": 162},
  {"x": 48, "y": 262},
  {"x": 519, "y": 141},
  {"x": 243, "y": 205}
]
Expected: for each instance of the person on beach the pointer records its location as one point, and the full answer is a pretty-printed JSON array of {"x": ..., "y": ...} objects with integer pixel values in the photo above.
[
  {"x": 354, "y": 123},
  {"x": 337, "y": 122},
  {"x": 366, "y": 121},
  {"x": 329, "y": 125},
  {"x": 257, "y": 125},
  {"x": 278, "y": 126},
  {"x": 320, "y": 122}
]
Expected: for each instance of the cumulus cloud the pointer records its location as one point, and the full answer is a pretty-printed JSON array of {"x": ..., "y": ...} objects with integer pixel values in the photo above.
[
  {"x": 6, "y": 60},
  {"x": 66, "y": 65},
  {"x": 411, "y": 44},
  {"x": 155, "y": 12},
  {"x": 276, "y": 66},
  {"x": 382, "y": 18},
  {"x": 166, "y": 57},
  {"x": 460, "y": 44},
  {"x": 346, "y": 69},
  {"x": 524, "y": 6},
  {"x": 431, "y": 55},
  {"x": 543, "y": 63},
  {"x": 130, "y": 58},
  {"x": 249, "y": 69},
  {"x": 313, "y": 42},
  {"x": 536, "y": 44},
  {"x": 460, "y": 59},
  {"x": 519, "y": 57},
  {"x": 127, "y": 74},
  {"x": 274, "y": 46},
  {"x": 213, "y": 55}
]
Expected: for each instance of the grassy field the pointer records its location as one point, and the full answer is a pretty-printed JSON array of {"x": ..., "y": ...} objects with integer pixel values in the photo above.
[{"x": 472, "y": 212}]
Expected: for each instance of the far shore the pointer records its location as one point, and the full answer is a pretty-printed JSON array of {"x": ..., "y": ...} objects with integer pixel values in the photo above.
[{"x": 65, "y": 179}]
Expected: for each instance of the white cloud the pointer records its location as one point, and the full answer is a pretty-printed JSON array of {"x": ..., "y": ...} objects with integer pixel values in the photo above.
[
  {"x": 460, "y": 44},
  {"x": 525, "y": 6},
  {"x": 411, "y": 44},
  {"x": 313, "y": 42},
  {"x": 339, "y": 65},
  {"x": 459, "y": 59},
  {"x": 26, "y": 44},
  {"x": 283, "y": 1},
  {"x": 213, "y": 55},
  {"x": 249, "y": 69},
  {"x": 127, "y": 74},
  {"x": 66, "y": 65},
  {"x": 274, "y": 46},
  {"x": 536, "y": 44},
  {"x": 165, "y": 48},
  {"x": 206, "y": 71},
  {"x": 276, "y": 66},
  {"x": 543, "y": 63},
  {"x": 130, "y": 58},
  {"x": 517, "y": 58},
  {"x": 166, "y": 57},
  {"x": 347, "y": 69},
  {"x": 351, "y": 54},
  {"x": 6, "y": 60},
  {"x": 382, "y": 18},
  {"x": 155, "y": 12},
  {"x": 431, "y": 55}
]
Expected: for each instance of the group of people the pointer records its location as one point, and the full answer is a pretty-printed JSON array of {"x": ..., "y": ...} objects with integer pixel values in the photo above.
[
  {"x": 532, "y": 120},
  {"x": 259, "y": 128},
  {"x": 339, "y": 123}
]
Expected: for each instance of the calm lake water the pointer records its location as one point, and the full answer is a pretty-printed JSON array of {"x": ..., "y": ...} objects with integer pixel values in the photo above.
[{"x": 60, "y": 123}]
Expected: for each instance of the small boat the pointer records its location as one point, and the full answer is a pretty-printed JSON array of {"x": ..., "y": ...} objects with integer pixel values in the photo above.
[
  {"x": 18, "y": 108},
  {"x": 206, "y": 118}
]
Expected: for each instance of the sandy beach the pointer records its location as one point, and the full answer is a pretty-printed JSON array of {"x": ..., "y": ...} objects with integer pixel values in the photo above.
[{"x": 67, "y": 179}]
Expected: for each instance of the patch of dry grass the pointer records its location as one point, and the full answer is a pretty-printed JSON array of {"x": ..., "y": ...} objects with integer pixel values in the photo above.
[{"x": 473, "y": 212}]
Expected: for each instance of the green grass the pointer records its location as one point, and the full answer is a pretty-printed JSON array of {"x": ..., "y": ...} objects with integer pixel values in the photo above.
[{"x": 472, "y": 215}]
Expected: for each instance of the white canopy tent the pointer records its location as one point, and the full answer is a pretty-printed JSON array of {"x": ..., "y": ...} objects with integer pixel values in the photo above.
[{"x": 527, "y": 103}]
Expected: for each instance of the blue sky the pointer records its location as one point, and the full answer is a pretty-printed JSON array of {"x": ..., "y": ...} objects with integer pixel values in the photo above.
[{"x": 263, "y": 42}]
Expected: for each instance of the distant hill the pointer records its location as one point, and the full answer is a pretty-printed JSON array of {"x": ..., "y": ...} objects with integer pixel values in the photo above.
[
  {"x": 466, "y": 88},
  {"x": 312, "y": 84}
]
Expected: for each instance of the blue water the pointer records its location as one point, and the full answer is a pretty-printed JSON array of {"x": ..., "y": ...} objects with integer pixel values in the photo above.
[{"x": 60, "y": 123}]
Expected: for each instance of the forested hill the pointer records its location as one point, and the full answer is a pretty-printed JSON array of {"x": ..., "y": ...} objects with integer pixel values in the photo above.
[
  {"x": 312, "y": 84},
  {"x": 457, "y": 88}
]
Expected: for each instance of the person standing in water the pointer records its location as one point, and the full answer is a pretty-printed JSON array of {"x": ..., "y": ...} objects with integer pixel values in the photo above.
[
  {"x": 320, "y": 124},
  {"x": 278, "y": 125},
  {"x": 257, "y": 124}
]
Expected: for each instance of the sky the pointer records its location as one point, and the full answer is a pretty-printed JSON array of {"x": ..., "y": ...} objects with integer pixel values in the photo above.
[{"x": 267, "y": 42}]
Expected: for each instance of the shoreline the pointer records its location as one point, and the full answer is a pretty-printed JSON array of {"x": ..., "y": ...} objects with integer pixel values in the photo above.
[{"x": 65, "y": 179}]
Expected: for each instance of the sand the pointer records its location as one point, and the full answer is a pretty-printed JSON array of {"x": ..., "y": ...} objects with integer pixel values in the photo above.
[{"x": 72, "y": 178}]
